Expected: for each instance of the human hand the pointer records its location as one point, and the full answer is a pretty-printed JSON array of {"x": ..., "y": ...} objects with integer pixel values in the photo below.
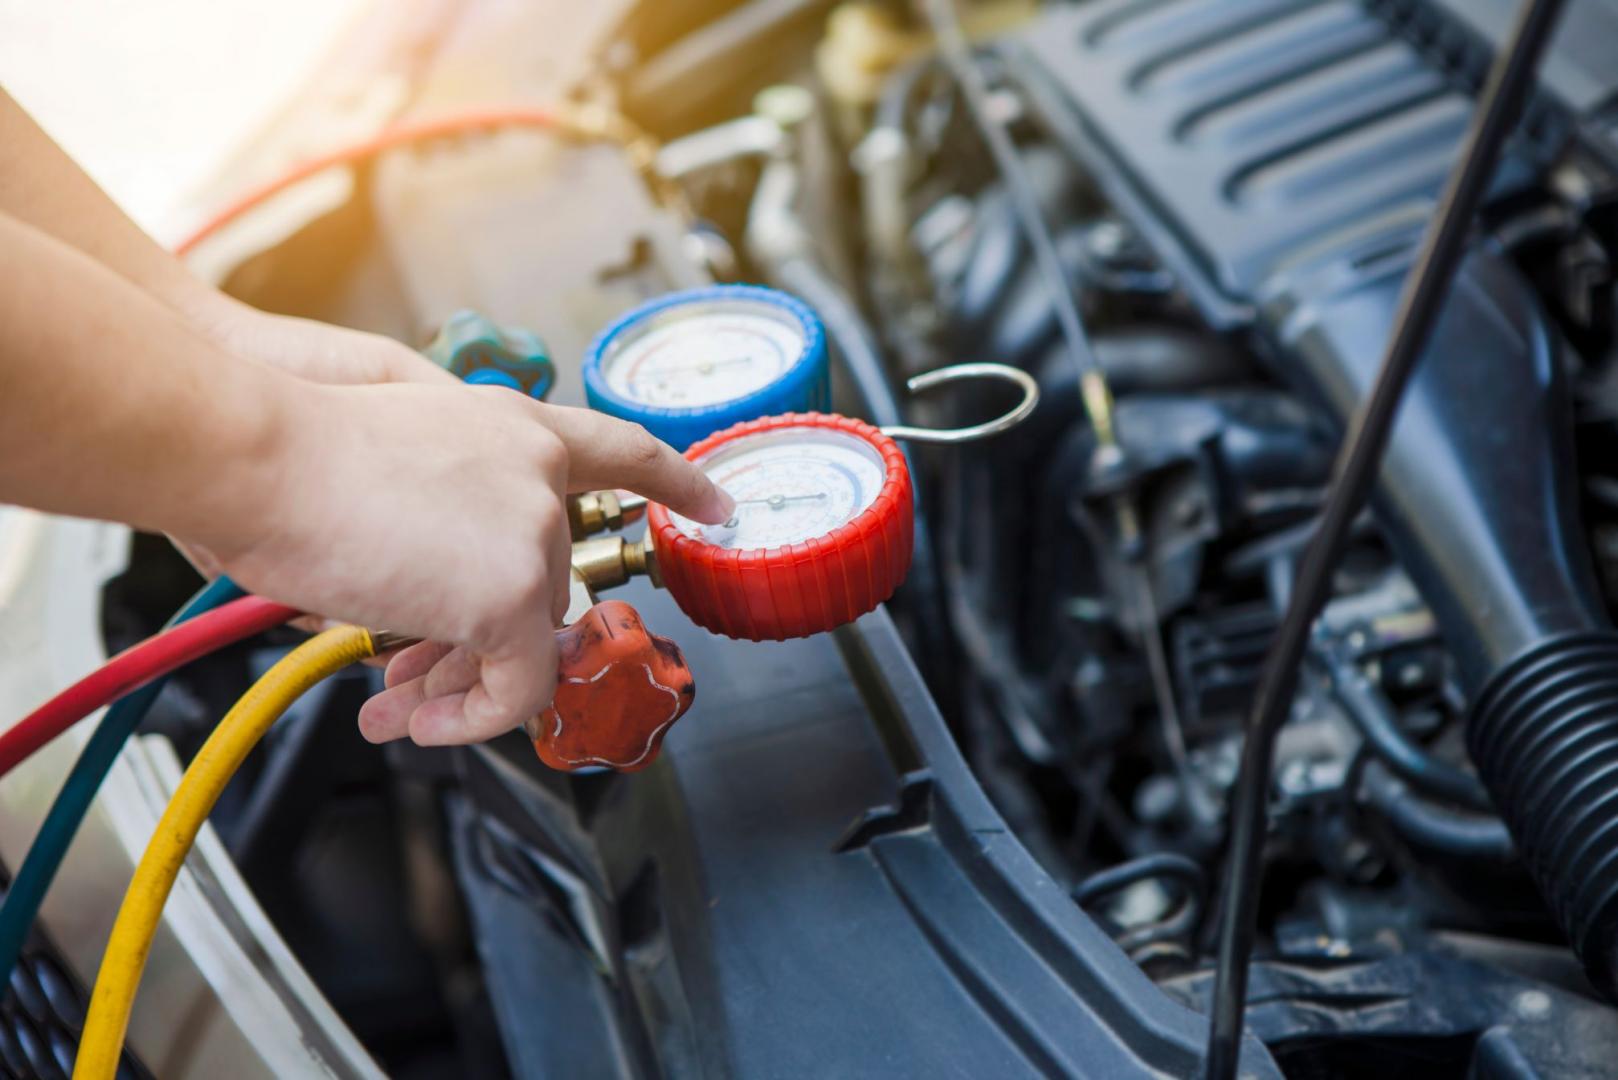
[
  {"x": 316, "y": 351},
  {"x": 438, "y": 512},
  {"x": 313, "y": 350}
]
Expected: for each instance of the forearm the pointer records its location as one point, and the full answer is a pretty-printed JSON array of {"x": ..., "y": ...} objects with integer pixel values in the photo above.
[
  {"x": 43, "y": 187},
  {"x": 112, "y": 406}
]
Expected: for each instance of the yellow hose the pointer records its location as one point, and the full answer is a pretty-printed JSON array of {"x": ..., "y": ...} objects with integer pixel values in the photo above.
[{"x": 241, "y": 729}]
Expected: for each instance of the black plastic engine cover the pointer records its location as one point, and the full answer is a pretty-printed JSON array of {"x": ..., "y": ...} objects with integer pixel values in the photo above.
[
  {"x": 1285, "y": 155},
  {"x": 1239, "y": 134},
  {"x": 1248, "y": 129}
]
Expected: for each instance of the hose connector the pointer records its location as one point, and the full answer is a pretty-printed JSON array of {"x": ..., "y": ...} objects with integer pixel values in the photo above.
[
  {"x": 592, "y": 512},
  {"x": 609, "y": 561}
]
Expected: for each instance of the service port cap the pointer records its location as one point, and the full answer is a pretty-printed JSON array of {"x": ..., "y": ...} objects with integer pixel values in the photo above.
[
  {"x": 690, "y": 363},
  {"x": 482, "y": 352},
  {"x": 822, "y": 531}
]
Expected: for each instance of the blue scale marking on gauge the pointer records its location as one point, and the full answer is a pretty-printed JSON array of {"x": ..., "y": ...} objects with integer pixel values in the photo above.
[{"x": 691, "y": 363}]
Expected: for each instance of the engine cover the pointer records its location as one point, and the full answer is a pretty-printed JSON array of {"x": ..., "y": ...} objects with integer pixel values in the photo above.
[{"x": 1239, "y": 134}]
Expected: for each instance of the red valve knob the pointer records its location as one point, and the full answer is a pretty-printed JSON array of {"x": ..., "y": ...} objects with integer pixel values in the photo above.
[{"x": 619, "y": 688}]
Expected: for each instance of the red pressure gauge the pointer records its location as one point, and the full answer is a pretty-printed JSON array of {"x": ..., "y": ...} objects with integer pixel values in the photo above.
[{"x": 821, "y": 534}]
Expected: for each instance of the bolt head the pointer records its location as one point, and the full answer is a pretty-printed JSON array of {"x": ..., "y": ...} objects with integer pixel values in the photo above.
[{"x": 1532, "y": 1004}]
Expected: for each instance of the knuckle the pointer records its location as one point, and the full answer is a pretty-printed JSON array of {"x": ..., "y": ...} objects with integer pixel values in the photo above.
[
  {"x": 549, "y": 449},
  {"x": 642, "y": 449},
  {"x": 550, "y": 519},
  {"x": 374, "y": 369}
]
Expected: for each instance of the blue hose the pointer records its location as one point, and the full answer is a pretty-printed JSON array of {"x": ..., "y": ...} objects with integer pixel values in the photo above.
[{"x": 44, "y": 858}]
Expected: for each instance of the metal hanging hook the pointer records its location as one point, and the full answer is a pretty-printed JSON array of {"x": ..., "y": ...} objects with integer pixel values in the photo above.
[{"x": 954, "y": 373}]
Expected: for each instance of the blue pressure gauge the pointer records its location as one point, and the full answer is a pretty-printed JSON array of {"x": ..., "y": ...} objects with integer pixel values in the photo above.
[{"x": 690, "y": 363}]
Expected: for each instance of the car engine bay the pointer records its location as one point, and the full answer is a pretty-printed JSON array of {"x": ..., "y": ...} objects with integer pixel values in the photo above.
[{"x": 982, "y": 830}]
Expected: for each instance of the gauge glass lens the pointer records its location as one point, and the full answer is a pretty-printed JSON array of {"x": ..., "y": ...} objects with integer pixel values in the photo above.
[
  {"x": 789, "y": 486},
  {"x": 703, "y": 354}
]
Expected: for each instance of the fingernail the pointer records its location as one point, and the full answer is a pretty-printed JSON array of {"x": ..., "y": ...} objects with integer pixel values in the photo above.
[{"x": 719, "y": 506}]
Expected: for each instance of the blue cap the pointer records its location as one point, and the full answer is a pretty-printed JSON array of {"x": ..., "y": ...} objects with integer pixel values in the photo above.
[
  {"x": 492, "y": 377},
  {"x": 803, "y": 386},
  {"x": 478, "y": 350}
]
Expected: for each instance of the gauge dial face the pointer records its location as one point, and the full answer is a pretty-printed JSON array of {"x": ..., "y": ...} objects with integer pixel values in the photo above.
[
  {"x": 703, "y": 353},
  {"x": 790, "y": 486}
]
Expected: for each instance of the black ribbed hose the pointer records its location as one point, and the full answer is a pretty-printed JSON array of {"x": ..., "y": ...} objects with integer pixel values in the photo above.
[{"x": 1544, "y": 736}]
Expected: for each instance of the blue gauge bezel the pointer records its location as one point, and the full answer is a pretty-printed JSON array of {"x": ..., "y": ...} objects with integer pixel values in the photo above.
[{"x": 803, "y": 387}]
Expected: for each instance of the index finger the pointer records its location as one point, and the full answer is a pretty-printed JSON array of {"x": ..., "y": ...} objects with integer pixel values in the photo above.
[{"x": 605, "y": 452}]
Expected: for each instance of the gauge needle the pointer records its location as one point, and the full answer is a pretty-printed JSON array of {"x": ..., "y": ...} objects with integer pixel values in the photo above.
[
  {"x": 702, "y": 367},
  {"x": 776, "y": 502}
]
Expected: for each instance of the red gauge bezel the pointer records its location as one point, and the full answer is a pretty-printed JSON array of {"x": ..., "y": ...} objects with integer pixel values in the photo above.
[{"x": 771, "y": 594}]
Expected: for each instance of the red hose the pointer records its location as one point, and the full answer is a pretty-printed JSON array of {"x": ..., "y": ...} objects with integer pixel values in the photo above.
[
  {"x": 137, "y": 666},
  {"x": 401, "y": 135}
]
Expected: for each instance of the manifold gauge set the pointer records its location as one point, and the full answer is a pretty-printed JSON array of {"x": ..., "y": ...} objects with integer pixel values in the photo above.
[{"x": 736, "y": 376}]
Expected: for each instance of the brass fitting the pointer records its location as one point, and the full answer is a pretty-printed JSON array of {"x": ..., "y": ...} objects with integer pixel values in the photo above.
[
  {"x": 641, "y": 558},
  {"x": 603, "y": 511},
  {"x": 607, "y": 561},
  {"x": 387, "y": 640}
]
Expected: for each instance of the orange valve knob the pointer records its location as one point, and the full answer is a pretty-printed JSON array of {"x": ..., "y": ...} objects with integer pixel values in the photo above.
[
  {"x": 619, "y": 688},
  {"x": 821, "y": 535}
]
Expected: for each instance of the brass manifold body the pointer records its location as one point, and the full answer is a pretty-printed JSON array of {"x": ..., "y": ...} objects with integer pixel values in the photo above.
[{"x": 605, "y": 562}]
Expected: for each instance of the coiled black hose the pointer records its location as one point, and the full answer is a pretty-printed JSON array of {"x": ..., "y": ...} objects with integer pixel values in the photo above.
[
  {"x": 1164, "y": 864},
  {"x": 1180, "y": 923}
]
